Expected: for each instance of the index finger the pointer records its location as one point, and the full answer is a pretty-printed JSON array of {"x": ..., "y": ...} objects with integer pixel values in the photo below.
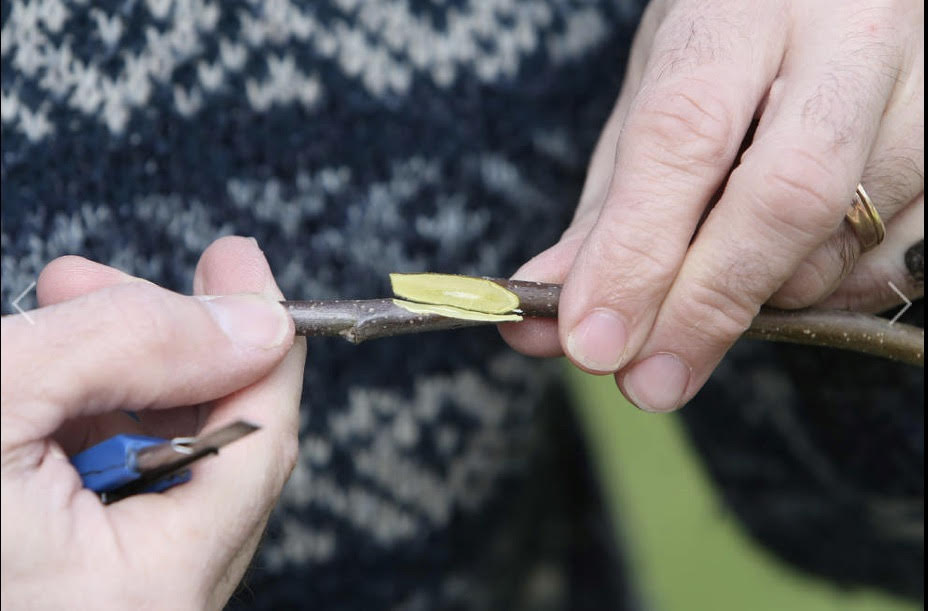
[{"x": 709, "y": 70}]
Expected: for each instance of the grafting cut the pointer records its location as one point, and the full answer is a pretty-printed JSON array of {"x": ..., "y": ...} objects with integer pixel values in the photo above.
[{"x": 460, "y": 292}]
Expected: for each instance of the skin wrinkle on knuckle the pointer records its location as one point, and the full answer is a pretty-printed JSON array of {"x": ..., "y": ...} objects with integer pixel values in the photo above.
[
  {"x": 17, "y": 427},
  {"x": 671, "y": 167},
  {"x": 636, "y": 265},
  {"x": 148, "y": 314},
  {"x": 799, "y": 197},
  {"x": 690, "y": 127},
  {"x": 747, "y": 274},
  {"x": 76, "y": 373},
  {"x": 625, "y": 290},
  {"x": 716, "y": 315},
  {"x": 155, "y": 338}
]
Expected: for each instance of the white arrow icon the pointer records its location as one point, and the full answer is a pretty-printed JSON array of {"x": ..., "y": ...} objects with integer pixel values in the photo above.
[
  {"x": 16, "y": 301},
  {"x": 908, "y": 304}
]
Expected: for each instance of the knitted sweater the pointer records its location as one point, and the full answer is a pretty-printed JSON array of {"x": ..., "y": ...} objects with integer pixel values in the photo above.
[{"x": 354, "y": 139}]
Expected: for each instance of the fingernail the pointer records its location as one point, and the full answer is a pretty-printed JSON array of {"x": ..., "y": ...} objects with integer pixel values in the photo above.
[
  {"x": 55, "y": 451},
  {"x": 598, "y": 341},
  {"x": 657, "y": 383},
  {"x": 250, "y": 320}
]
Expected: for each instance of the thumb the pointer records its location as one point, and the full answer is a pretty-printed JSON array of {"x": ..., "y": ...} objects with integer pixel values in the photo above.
[{"x": 132, "y": 346}]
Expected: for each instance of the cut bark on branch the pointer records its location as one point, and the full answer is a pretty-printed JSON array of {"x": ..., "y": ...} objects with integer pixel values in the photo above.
[{"x": 363, "y": 319}]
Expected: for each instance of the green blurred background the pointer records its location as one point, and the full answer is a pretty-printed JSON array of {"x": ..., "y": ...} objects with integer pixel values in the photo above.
[{"x": 688, "y": 553}]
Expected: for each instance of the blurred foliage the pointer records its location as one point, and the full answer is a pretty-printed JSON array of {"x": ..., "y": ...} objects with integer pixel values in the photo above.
[{"x": 687, "y": 552}]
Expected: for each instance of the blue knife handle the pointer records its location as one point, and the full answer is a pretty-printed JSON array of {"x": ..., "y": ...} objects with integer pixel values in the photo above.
[{"x": 111, "y": 464}]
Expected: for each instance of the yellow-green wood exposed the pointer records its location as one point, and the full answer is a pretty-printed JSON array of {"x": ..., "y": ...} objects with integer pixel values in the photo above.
[
  {"x": 453, "y": 312},
  {"x": 464, "y": 292}
]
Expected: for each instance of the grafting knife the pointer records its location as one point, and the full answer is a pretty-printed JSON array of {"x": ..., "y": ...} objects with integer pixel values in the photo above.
[{"x": 124, "y": 465}]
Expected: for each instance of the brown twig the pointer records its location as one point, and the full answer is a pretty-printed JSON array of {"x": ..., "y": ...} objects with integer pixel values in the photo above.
[
  {"x": 839, "y": 329},
  {"x": 359, "y": 320},
  {"x": 364, "y": 319}
]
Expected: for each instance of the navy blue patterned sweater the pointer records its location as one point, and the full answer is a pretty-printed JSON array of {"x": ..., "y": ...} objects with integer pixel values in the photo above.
[{"x": 354, "y": 139}]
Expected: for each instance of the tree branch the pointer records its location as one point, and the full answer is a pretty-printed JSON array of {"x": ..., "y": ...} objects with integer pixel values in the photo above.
[{"x": 363, "y": 319}]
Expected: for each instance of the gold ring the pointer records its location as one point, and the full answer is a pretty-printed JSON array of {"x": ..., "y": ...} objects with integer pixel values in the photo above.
[{"x": 865, "y": 220}]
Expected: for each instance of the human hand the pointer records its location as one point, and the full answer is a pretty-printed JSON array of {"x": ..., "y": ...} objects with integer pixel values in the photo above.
[
  {"x": 103, "y": 342},
  {"x": 837, "y": 89}
]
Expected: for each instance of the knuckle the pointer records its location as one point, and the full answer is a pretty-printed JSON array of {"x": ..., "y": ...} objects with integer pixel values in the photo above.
[
  {"x": 800, "y": 196},
  {"x": 688, "y": 125},
  {"x": 143, "y": 310},
  {"x": 722, "y": 303},
  {"x": 717, "y": 314},
  {"x": 639, "y": 265}
]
